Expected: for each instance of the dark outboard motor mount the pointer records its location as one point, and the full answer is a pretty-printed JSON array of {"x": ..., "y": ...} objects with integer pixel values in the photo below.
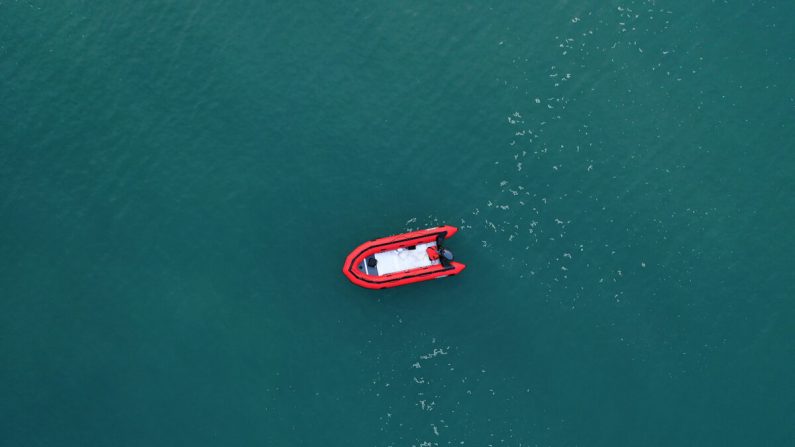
[{"x": 445, "y": 256}]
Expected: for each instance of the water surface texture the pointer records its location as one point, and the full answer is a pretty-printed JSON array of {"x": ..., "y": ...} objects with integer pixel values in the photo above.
[{"x": 181, "y": 181}]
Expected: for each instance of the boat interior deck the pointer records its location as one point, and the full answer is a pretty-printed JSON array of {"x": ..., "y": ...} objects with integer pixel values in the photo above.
[{"x": 399, "y": 260}]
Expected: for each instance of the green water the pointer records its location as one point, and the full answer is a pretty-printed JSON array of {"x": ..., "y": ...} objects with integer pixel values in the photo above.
[{"x": 181, "y": 181}]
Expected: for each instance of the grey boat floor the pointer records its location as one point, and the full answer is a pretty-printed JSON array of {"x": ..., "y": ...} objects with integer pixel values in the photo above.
[{"x": 363, "y": 267}]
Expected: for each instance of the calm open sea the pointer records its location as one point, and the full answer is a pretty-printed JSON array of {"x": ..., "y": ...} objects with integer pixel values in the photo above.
[{"x": 181, "y": 181}]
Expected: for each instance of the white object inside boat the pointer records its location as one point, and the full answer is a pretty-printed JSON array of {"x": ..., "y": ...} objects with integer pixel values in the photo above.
[{"x": 403, "y": 259}]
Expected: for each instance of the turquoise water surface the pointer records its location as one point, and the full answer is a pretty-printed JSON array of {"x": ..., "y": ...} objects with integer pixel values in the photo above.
[{"x": 180, "y": 183}]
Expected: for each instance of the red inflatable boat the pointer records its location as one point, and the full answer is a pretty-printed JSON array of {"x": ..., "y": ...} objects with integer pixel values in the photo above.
[{"x": 403, "y": 259}]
